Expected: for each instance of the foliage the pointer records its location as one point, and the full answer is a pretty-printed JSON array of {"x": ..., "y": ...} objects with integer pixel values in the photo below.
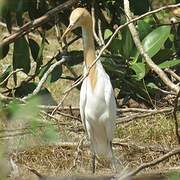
[{"x": 122, "y": 61}]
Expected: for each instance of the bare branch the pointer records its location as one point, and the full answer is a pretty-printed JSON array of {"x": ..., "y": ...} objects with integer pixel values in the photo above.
[
  {"x": 136, "y": 116},
  {"x": 30, "y": 26},
  {"x": 13, "y": 72},
  {"x": 153, "y": 163},
  {"x": 148, "y": 60},
  {"x": 60, "y": 103},
  {"x": 100, "y": 33},
  {"x": 173, "y": 74},
  {"x": 122, "y": 110},
  {"x": 94, "y": 25},
  {"x": 175, "y": 117}
]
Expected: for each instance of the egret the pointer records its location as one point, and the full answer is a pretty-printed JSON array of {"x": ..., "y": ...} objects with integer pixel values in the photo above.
[{"x": 97, "y": 101}]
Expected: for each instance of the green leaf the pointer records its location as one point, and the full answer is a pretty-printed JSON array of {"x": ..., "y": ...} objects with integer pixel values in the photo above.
[
  {"x": 5, "y": 13},
  {"x": 25, "y": 89},
  {"x": 154, "y": 41},
  {"x": 5, "y": 74},
  {"x": 54, "y": 75},
  {"x": 26, "y": 112},
  {"x": 50, "y": 134},
  {"x": 169, "y": 63},
  {"x": 34, "y": 47},
  {"x": 139, "y": 7},
  {"x": 107, "y": 33},
  {"x": 116, "y": 46},
  {"x": 74, "y": 58},
  {"x": 152, "y": 85},
  {"x": 18, "y": 5},
  {"x": 8, "y": 21},
  {"x": 139, "y": 69},
  {"x": 126, "y": 43},
  {"x": 144, "y": 28},
  {"x": 21, "y": 57},
  {"x": 44, "y": 95},
  {"x": 163, "y": 55},
  {"x": 4, "y": 51},
  {"x": 174, "y": 175},
  {"x": 176, "y": 40},
  {"x": 40, "y": 53}
]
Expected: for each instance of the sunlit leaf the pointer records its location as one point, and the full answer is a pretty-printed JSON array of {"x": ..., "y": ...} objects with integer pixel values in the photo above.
[
  {"x": 139, "y": 69},
  {"x": 152, "y": 85},
  {"x": 169, "y": 63},
  {"x": 154, "y": 41},
  {"x": 107, "y": 33},
  {"x": 144, "y": 28}
]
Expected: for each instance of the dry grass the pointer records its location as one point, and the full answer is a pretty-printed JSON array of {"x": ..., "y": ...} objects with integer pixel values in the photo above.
[{"x": 53, "y": 159}]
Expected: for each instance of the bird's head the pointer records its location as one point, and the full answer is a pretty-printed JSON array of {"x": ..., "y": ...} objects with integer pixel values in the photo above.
[{"x": 78, "y": 18}]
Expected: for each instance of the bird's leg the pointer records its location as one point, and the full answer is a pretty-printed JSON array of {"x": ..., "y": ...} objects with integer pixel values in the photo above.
[
  {"x": 93, "y": 157},
  {"x": 113, "y": 160},
  {"x": 93, "y": 163}
]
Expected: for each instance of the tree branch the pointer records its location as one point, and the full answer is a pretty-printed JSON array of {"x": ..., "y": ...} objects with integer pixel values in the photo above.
[
  {"x": 172, "y": 73},
  {"x": 175, "y": 117},
  {"x": 153, "y": 163},
  {"x": 30, "y": 26}
]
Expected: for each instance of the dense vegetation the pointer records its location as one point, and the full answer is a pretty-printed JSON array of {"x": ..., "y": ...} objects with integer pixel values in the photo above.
[{"x": 129, "y": 73}]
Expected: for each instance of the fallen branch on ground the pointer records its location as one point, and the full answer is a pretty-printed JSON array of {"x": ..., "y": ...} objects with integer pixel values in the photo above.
[
  {"x": 121, "y": 110},
  {"x": 153, "y": 163},
  {"x": 135, "y": 116}
]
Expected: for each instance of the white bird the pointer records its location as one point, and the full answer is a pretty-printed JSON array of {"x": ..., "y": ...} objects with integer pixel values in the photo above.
[{"x": 97, "y": 101}]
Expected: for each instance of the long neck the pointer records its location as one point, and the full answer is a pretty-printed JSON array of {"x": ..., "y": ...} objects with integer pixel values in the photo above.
[{"x": 89, "y": 52}]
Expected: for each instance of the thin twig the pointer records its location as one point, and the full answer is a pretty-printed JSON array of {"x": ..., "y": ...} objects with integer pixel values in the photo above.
[
  {"x": 147, "y": 58},
  {"x": 60, "y": 103},
  {"x": 100, "y": 33},
  {"x": 70, "y": 116},
  {"x": 122, "y": 110},
  {"x": 77, "y": 153},
  {"x": 136, "y": 116},
  {"x": 94, "y": 25},
  {"x": 175, "y": 117},
  {"x": 13, "y": 72},
  {"x": 152, "y": 163},
  {"x": 173, "y": 74}
]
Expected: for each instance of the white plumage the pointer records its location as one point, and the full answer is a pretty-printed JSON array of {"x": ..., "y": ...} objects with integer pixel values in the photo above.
[
  {"x": 98, "y": 111},
  {"x": 97, "y": 101}
]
